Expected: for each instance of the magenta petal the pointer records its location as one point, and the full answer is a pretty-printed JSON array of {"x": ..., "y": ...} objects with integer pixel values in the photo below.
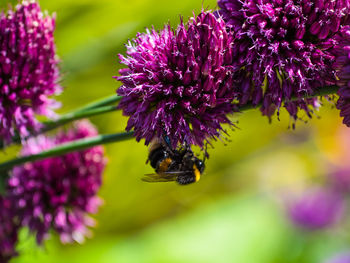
[
  {"x": 284, "y": 49},
  {"x": 28, "y": 69},
  {"x": 47, "y": 193},
  {"x": 191, "y": 63}
]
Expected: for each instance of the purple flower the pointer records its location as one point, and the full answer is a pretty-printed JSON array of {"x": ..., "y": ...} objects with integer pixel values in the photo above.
[
  {"x": 28, "y": 69},
  {"x": 59, "y": 192},
  {"x": 178, "y": 83},
  {"x": 283, "y": 49},
  {"x": 340, "y": 258},
  {"x": 8, "y": 231},
  {"x": 342, "y": 65},
  {"x": 318, "y": 208}
]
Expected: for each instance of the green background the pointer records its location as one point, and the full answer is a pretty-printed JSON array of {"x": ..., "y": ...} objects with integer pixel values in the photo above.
[{"x": 235, "y": 213}]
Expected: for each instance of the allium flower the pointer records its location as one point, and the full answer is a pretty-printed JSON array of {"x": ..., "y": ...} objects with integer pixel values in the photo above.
[
  {"x": 8, "y": 231},
  {"x": 342, "y": 65},
  {"x": 59, "y": 192},
  {"x": 283, "y": 49},
  {"x": 317, "y": 209},
  {"x": 28, "y": 69},
  {"x": 177, "y": 82}
]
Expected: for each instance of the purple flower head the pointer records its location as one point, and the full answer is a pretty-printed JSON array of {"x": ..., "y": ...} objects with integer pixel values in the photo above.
[
  {"x": 178, "y": 82},
  {"x": 28, "y": 69},
  {"x": 59, "y": 192},
  {"x": 342, "y": 65},
  {"x": 8, "y": 231},
  {"x": 318, "y": 208},
  {"x": 340, "y": 258},
  {"x": 283, "y": 49}
]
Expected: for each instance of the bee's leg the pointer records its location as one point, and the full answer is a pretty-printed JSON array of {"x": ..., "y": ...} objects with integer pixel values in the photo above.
[
  {"x": 186, "y": 179},
  {"x": 206, "y": 154},
  {"x": 166, "y": 139},
  {"x": 174, "y": 166}
]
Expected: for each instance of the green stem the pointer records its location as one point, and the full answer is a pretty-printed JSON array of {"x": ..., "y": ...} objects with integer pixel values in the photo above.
[
  {"x": 67, "y": 148},
  {"x": 73, "y": 115},
  {"x": 98, "y": 103},
  {"x": 103, "y": 139},
  {"x": 66, "y": 118},
  {"x": 99, "y": 107},
  {"x": 77, "y": 115}
]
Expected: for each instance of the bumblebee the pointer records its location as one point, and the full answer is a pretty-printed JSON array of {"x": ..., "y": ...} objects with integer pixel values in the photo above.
[{"x": 180, "y": 165}]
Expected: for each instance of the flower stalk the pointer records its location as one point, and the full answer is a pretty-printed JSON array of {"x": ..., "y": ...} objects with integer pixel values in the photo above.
[
  {"x": 104, "y": 139},
  {"x": 98, "y": 103},
  {"x": 69, "y": 117},
  {"x": 92, "y": 109},
  {"x": 67, "y": 148},
  {"x": 100, "y": 107}
]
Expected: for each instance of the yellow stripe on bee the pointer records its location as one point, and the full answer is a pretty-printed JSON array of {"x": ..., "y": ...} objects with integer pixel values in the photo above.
[
  {"x": 164, "y": 165},
  {"x": 197, "y": 174}
]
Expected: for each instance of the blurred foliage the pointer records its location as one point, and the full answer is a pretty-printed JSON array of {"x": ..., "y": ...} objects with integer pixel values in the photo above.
[{"x": 233, "y": 214}]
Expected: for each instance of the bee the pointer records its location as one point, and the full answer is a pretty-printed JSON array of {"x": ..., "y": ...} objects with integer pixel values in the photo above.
[{"x": 180, "y": 165}]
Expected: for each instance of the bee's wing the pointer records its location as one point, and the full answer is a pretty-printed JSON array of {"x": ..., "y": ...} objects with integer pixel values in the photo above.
[
  {"x": 162, "y": 177},
  {"x": 153, "y": 178}
]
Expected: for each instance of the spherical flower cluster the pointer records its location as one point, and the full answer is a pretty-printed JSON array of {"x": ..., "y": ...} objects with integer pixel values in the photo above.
[
  {"x": 8, "y": 231},
  {"x": 318, "y": 208},
  {"x": 28, "y": 69},
  {"x": 283, "y": 49},
  {"x": 59, "y": 192},
  {"x": 179, "y": 83},
  {"x": 342, "y": 65}
]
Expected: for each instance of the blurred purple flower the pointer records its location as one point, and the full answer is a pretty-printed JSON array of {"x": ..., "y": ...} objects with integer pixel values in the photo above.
[
  {"x": 283, "y": 49},
  {"x": 59, "y": 192},
  {"x": 8, "y": 231},
  {"x": 28, "y": 69},
  {"x": 340, "y": 258},
  {"x": 178, "y": 83},
  {"x": 318, "y": 208},
  {"x": 340, "y": 179}
]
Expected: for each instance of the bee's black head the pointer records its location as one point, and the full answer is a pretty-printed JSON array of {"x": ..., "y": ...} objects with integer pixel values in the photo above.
[{"x": 200, "y": 165}]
